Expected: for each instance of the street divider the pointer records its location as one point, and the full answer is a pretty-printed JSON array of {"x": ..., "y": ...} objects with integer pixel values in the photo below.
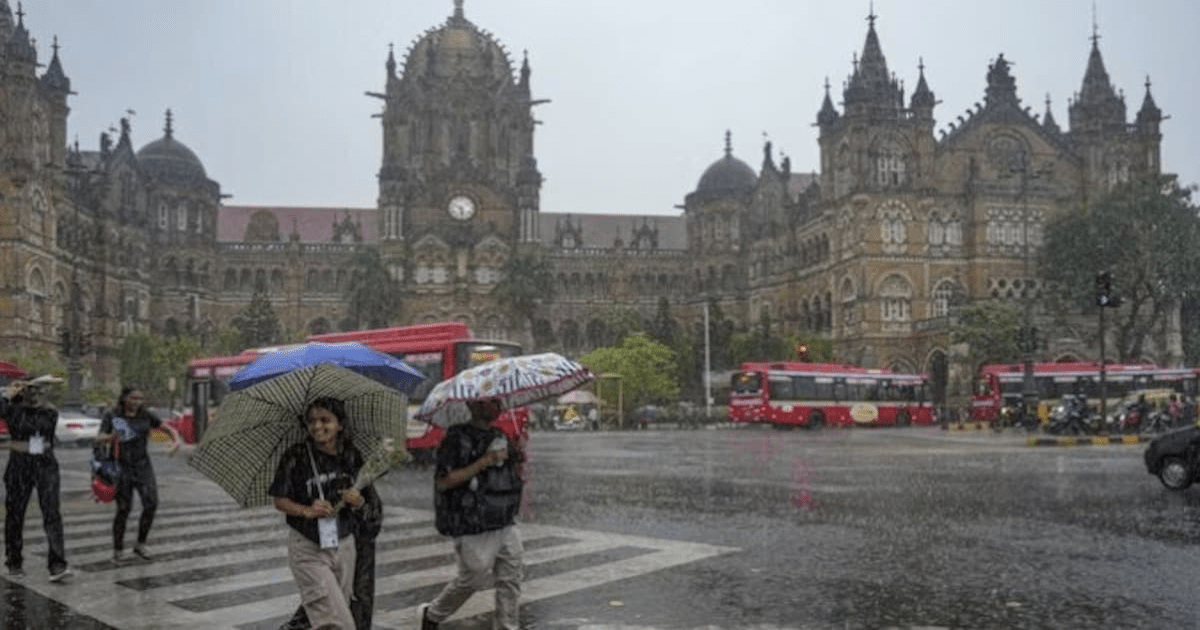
[
  {"x": 968, "y": 426},
  {"x": 1086, "y": 440}
]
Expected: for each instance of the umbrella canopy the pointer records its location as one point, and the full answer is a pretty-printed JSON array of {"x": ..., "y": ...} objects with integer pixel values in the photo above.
[
  {"x": 11, "y": 371},
  {"x": 242, "y": 448},
  {"x": 514, "y": 381},
  {"x": 578, "y": 397},
  {"x": 351, "y": 355}
]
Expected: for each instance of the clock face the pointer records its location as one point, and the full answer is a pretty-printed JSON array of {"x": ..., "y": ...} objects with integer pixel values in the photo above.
[{"x": 461, "y": 208}]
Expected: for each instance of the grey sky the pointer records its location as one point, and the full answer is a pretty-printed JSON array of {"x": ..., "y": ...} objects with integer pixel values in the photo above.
[{"x": 270, "y": 93}]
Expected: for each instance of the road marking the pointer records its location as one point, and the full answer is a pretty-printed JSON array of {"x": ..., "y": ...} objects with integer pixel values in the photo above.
[{"x": 219, "y": 567}]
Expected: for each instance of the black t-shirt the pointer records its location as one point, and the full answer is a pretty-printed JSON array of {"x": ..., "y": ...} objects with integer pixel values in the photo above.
[
  {"x": 134, "y": 433},
  {"x": 492, "y": 499},
  {"x": 295, "y": 480},
  {"x": 24, "y": 421}
]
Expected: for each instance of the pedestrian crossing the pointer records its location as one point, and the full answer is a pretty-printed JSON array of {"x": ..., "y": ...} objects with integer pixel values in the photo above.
[{"x": 221, "y": 567}]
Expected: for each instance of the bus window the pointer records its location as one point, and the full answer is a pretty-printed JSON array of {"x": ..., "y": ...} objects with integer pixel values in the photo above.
[
  {"x": 781, "y": 388},
  {"x": 747, "y": 383},
  {"x": 471, "y": 354},
  {"x": 805, "y": 387},
  {"x": 430, "y": 364}
]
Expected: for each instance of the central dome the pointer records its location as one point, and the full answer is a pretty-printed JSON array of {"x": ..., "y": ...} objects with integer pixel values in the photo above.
[
  {"x": 458, "y": 49},
  {"x": 169, "y": 160},
  {"x": 727, "y": 176}
]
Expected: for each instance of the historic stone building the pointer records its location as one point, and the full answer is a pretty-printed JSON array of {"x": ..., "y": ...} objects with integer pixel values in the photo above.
[{"x": 898, "y": 225}]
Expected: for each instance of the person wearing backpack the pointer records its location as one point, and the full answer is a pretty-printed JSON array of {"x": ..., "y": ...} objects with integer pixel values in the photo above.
[{"x": 477, "y": 494}]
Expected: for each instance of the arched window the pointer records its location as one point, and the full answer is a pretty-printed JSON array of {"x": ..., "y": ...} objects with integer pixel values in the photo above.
[{"x": 896, "y": 299}]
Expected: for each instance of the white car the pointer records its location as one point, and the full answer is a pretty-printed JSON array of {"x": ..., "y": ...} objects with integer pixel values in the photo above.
[{"x": 75, "y": 428}]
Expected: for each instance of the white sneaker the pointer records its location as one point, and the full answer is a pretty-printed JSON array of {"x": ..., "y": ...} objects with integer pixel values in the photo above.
[
  {"x": 143, "y": 552},
  {"x": 61, "y": 574},
  {"x": 122, "y": 556}
]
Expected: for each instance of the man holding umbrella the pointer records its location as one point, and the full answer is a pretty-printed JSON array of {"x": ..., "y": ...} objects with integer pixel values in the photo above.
[{"x": 477, "y": 497}]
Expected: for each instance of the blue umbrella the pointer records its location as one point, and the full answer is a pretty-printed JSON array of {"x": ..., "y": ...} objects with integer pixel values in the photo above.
[{"x": 352, "y": 355}]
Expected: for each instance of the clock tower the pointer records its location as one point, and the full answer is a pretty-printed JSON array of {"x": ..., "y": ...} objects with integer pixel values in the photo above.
[{"x": 459, "y": 185}]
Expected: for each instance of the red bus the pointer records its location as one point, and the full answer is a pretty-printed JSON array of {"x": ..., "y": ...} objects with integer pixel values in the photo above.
[
  {"x": 819, "y": 394},
  {"x": 1000, "y": 385},
  {"x": 438, "y": 350}
]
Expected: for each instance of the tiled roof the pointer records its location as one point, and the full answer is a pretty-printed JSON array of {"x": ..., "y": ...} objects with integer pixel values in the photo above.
[{"x": 314, "y": 225}]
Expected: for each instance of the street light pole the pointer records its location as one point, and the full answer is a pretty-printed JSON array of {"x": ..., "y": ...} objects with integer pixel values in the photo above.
[
  {"x": 707, "y": 368},
  {"x": 1028, "y": 337}
]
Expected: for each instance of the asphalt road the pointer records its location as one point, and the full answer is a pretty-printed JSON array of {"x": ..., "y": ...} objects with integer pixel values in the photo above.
[{"x": 876, "y": 528}]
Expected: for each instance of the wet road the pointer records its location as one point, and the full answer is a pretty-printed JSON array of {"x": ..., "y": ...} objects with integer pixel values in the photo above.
[{"x": 904, "y": 528}]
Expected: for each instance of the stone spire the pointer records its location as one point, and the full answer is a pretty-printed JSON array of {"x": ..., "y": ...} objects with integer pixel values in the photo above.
[
  {"x": 923, "y": 99},
  {"x": 18, "y": 47},
  {"x": 1002, "y": 87},
  {"x": 54, "y": 78},
  {"x": 828, "y": 114},
  {"x": 1048, "y": 122},
  {"x": 871, "y": 89},
  {"x": 391, "y": 61},
  {"x": 1149, "y": 113},
  {"x": 1097, "y": 104},
  {"x": 6, "y": 21}
]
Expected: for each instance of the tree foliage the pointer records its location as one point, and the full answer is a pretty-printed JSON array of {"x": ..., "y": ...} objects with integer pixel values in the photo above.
[
  {"x": 988, "y": 329},
  {"x": 373, "y": 297},
  {"x": 1145, "y": 232},
  {"x": 157, "y": 365},
  {"x": 257, "y": 324},
  {"x": 646, "y": 368},
  {"x": 526, "y": 282}
]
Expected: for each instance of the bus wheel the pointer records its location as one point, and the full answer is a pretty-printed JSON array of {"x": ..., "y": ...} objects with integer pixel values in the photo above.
[
  {"x": 902, "y": 419},
  {"x": 816, "y": 420}
]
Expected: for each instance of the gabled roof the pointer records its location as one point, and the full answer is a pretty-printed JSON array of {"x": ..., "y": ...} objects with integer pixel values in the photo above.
[{"x": 313, "y": 225}]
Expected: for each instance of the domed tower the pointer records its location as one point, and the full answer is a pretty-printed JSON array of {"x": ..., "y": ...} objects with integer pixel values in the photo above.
[
  {"x": 181, "y": 219},
  {"x": 458, "y": 156},
  {"x": 716, "y": 216}
]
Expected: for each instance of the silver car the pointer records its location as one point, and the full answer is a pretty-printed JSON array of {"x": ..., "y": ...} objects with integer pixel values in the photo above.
[{"x": 76, "y": 428}]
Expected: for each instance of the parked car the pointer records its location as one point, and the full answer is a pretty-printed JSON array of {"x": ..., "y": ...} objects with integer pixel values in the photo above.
[
  {"x": 76, "y": 428},
  {"x": 1172, "y": 457}
]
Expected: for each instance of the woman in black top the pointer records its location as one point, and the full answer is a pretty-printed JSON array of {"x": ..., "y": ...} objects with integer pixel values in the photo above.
[
  {"x": 311, "y": 477},
  {"x": 31, "y": 464},
  {"x": 129, "y": 423}
]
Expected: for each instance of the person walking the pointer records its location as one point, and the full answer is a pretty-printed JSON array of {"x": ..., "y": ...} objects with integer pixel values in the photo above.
[
  {"x": 32, "y": 465},
  {"x": 311, "y": 477},
  {"x": 130, "y": 424},
  {"x": 477, "y": 494}
]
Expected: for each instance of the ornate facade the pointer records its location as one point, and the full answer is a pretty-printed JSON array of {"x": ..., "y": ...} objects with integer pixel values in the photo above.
[{"x": 871, "y": 251}]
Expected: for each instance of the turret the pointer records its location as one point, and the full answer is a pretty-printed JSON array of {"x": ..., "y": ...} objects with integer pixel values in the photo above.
[
  {"x": 871, "y": 91},
  {"x": 828, "y": 115},
  {"x": 923, "y": 100},
  {"x": 1149, "y": 116},
  {"x": 57, "y": 88},
  {"x": 6, "y": 21},
  {"x": 1097, "y": 106},
  {"x": 1049, "y": 125},
  {"x": 19, "y": 51}
]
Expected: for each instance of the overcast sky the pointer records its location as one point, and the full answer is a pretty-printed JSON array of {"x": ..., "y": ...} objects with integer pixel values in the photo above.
[{"x": 270, "y": 93}]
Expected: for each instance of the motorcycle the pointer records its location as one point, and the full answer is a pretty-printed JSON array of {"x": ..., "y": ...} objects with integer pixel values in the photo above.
[{"x": 1070, "y": 418}]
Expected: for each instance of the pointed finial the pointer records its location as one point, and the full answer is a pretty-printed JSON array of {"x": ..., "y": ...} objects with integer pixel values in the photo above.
[
  {"x": 55, "y": 45},
  {"x": 826, "y": 85},
  {"x": 1047, "y": 100},
  {"x": 871, "y": 16},
  {"x": 728, "y": 143},
  {"x": 168, "y": 129},
  {"x": 20, "y": 15},
  {"x": 1095, "y": 27},
  {"x": 921, "y": 65},
  {"x": 1147, "y": 83},
  {"x": 458, "y": 9}
]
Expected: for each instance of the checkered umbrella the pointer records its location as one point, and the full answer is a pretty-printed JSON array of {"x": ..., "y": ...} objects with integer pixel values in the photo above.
[
  {"x": 514, "y": 381},
  {"x": 243, "y": 446}
]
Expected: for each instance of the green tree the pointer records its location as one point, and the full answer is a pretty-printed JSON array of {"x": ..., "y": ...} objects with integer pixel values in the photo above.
[
  {"x": 1145, "y": 231},
  {"x": 257, "y": 324},
  {"x": 526, "y": 282},
  {"x": 664, "y": 329},
  {"x": 157, "y": 365},
  {"x": 988, "y": 329},
  {"x": 373, "y": 298},
  {"x": 646, "y": 368}
]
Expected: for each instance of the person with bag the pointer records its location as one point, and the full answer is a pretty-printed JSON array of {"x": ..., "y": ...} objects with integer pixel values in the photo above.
[
  {"x": 311, "y": 477},
  {"x": 368, "y": 522},
  {"x": 32, "y": 466},
  {"x": 106, "y": 471},
  {"x": 127, "y": 427},
  {"x": 477, "y": 494}
]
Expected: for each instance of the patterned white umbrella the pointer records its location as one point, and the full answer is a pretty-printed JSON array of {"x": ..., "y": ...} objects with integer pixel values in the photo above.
[{"x": 514, "y": 381}]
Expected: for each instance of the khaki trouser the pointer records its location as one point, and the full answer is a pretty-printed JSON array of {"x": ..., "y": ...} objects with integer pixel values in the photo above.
[
  {"x": 325, "y": 578},
  {"x": 484, "y": 560}
]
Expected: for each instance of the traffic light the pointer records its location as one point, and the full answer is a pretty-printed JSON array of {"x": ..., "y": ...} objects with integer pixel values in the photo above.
[
  {"x": 802, "y": 351},
  {"x": 1104, "y": 291}
]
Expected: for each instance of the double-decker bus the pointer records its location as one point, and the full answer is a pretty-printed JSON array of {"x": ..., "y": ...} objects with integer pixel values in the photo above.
[
  {"x": 819, "y": 394},
  {"x": 1000, "y": 385},
  {"x": 438, "y": 350}
]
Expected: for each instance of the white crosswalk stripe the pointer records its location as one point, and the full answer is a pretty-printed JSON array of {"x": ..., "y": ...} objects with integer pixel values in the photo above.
[{"x": 225, "y": 568}]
